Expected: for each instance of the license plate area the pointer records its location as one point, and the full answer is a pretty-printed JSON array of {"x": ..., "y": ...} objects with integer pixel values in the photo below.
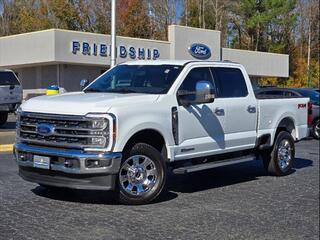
[{"x": 41, "y": 162}]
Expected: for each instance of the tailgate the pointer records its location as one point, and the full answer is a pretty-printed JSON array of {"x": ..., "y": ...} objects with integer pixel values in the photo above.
[
  {"x": 10, "y": 94},
  {"x": 10, "y": 88}
]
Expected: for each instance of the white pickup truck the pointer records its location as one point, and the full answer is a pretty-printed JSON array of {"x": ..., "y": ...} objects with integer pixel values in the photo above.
[
  {"x": 10, "y": 94},
  {"x": 125, "y": 130}
]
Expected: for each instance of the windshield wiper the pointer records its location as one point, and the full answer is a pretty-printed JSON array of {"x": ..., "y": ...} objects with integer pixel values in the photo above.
[
  {"x": 116, "y": 90},
  {"x": 92, "y": 90},
  {"x": 121, "y": 90}
]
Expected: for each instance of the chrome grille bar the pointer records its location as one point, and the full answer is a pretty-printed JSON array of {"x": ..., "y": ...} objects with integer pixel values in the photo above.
[{"x": 68, "y": 131}]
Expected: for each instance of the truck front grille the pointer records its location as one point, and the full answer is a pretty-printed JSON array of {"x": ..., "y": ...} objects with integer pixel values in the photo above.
[{"x": 63, "y": 130}]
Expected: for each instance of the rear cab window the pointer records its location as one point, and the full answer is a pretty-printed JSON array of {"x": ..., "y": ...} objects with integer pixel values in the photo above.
[
  {"x": 274, "y": 93},
  {"x": 8, "y": 78},
  {"x": 230, "y": 82}
]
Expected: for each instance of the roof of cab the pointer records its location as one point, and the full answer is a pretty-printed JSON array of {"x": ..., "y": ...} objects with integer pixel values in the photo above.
[{"x": 174, "y": 62}]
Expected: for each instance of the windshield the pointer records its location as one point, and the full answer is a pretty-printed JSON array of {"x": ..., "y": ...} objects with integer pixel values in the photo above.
[
  {"x": 8, "y": 78},
  {"x": 152, "y": 79},
  {"x": 312, "y": 94}
]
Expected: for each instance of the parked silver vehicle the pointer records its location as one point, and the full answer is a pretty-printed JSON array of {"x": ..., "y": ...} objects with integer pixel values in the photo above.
[
  {"x": 313, "y": 94},
  {"x": 10, "y": 94}
]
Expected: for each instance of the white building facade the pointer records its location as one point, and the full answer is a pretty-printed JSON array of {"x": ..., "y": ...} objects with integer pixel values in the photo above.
[{"x": 63, "y": 57}]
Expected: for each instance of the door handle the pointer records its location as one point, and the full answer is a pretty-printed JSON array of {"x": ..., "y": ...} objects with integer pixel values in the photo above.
[
  {"x": 219, "y": 111},
  {"x": 251, "y": 109}
]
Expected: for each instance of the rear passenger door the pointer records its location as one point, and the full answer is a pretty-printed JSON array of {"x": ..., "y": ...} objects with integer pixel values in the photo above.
[{"x": 241, "y": 109}]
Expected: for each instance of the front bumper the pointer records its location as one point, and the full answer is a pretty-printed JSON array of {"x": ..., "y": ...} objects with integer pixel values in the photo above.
[{"x": 60, "y": 174}]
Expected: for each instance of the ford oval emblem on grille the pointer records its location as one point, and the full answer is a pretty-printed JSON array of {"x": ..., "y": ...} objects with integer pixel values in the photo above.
[
  {"x": 200, "y": 51},
  {"x": 45, "y": 129}
]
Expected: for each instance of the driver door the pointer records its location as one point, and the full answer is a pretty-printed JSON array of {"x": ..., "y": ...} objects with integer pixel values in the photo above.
[{"x": 201, "y": 126}]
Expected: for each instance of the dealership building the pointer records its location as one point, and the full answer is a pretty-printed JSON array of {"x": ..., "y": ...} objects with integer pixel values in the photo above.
[{"x": 63, "y": 57}]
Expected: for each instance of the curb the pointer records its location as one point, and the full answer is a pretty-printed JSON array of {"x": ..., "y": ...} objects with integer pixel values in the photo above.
[{"x": 6, "y": 147}]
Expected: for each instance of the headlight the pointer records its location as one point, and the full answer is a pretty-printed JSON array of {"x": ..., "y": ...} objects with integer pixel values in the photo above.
[
  {"x": 99, "y": 124},
  {"x": 104, "y": 134}
]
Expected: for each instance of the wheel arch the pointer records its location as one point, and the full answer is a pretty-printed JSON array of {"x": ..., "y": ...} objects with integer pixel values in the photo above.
[
  {"x": 149, "y": 136},
  {"x": 286, "y": 124}
]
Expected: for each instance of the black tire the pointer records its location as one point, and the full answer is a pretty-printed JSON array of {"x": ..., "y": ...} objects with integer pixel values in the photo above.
[
  {"x": 3, "y": 118},
  {"x": 315, "y": 131},
  {"x": 51, "y": 188},
  {"x": 272, "y": 159},
  {"x": 131, "y": 189}
]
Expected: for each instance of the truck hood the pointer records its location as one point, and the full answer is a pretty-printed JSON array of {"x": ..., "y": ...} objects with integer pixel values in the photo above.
[{"x": 80, "y": 103}]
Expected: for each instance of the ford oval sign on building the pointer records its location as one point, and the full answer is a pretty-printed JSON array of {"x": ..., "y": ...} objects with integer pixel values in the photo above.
[{"x": 200, "y": 51}]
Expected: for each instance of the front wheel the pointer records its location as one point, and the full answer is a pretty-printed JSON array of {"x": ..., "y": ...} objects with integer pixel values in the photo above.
[
  {"x": 142, "y": 175},
  {"x": 316, "y": 129},
  {"x": 51, "y": 188},
  {"x": 279, "y": 161}
]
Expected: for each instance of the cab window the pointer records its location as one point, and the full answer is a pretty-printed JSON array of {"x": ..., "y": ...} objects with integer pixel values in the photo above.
[
  {"x": 230, "y": 82},
  {"x": 194, "y": 76}
]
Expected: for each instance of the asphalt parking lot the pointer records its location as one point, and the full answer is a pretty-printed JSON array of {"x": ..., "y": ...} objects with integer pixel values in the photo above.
[
  {"x": 234, "y": 202},
  {"x": 7, "y": 131}
]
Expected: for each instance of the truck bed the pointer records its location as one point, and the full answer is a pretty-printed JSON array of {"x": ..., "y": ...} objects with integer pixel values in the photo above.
[{"x": 276, "y": 107}]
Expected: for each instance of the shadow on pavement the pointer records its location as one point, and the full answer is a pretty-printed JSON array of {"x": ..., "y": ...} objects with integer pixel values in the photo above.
[
  {"x": 217, "y": 177},
  {"x": 88, "y": 196},
  {"x": 10, "y": 124},
  {"x": 188, "y": 183},
  {"x": 302, "y": 163},
  {"x": 225, "y": 176}
]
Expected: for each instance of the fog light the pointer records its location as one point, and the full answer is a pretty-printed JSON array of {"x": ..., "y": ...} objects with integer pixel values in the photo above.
[
  {"x": 23, "y": 156},
  {"x": 68, "y": 163},
  {"x": 98, "y": 141},
  {"x": 91, "y": 163}
]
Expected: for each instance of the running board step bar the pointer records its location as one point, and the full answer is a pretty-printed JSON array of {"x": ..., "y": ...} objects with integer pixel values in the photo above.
[{"x": 214, "y": 164}]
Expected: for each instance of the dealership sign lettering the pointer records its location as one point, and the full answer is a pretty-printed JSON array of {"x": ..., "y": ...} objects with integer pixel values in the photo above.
[{"x": 104, "y": 50}]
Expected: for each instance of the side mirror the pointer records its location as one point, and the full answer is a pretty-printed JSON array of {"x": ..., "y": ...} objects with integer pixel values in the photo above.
[
  {"x": 204, "y": 93},
  {"x": 83, "y": 84}
]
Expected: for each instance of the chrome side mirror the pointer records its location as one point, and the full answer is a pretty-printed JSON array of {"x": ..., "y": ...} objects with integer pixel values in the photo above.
[
  {"x": 204, "y": 92},
  {"x": 83, "y": 84}
]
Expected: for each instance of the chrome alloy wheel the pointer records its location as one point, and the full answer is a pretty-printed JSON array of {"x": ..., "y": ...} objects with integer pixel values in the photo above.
[
  {"x": 284, "y": 154},
  {"x": 138, "y": 175}
]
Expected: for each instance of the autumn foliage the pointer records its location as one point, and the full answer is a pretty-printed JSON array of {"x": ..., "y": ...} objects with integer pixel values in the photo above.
[{"x": 280, "y": 26}]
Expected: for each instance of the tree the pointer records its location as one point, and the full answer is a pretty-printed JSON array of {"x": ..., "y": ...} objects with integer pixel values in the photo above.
[
  {"x": 162, "y": 13},
  {"x": 264, "y": 25},
  {"x": 102, "y": 14},
  {"x": 209, "y": 14},
  {"x": 133, "y": 19}
]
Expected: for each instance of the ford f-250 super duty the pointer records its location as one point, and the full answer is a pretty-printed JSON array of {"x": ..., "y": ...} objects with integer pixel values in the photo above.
[{"x": 125, "y": 130}]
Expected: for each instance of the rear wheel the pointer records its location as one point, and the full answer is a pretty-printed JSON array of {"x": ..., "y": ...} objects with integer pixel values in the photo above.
[
  {"x": 142, "y": 175},
  {"x": 316, "y": 129},
  {"x": 3, "y": 118},
  {"x": 279, "y": 160}
]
